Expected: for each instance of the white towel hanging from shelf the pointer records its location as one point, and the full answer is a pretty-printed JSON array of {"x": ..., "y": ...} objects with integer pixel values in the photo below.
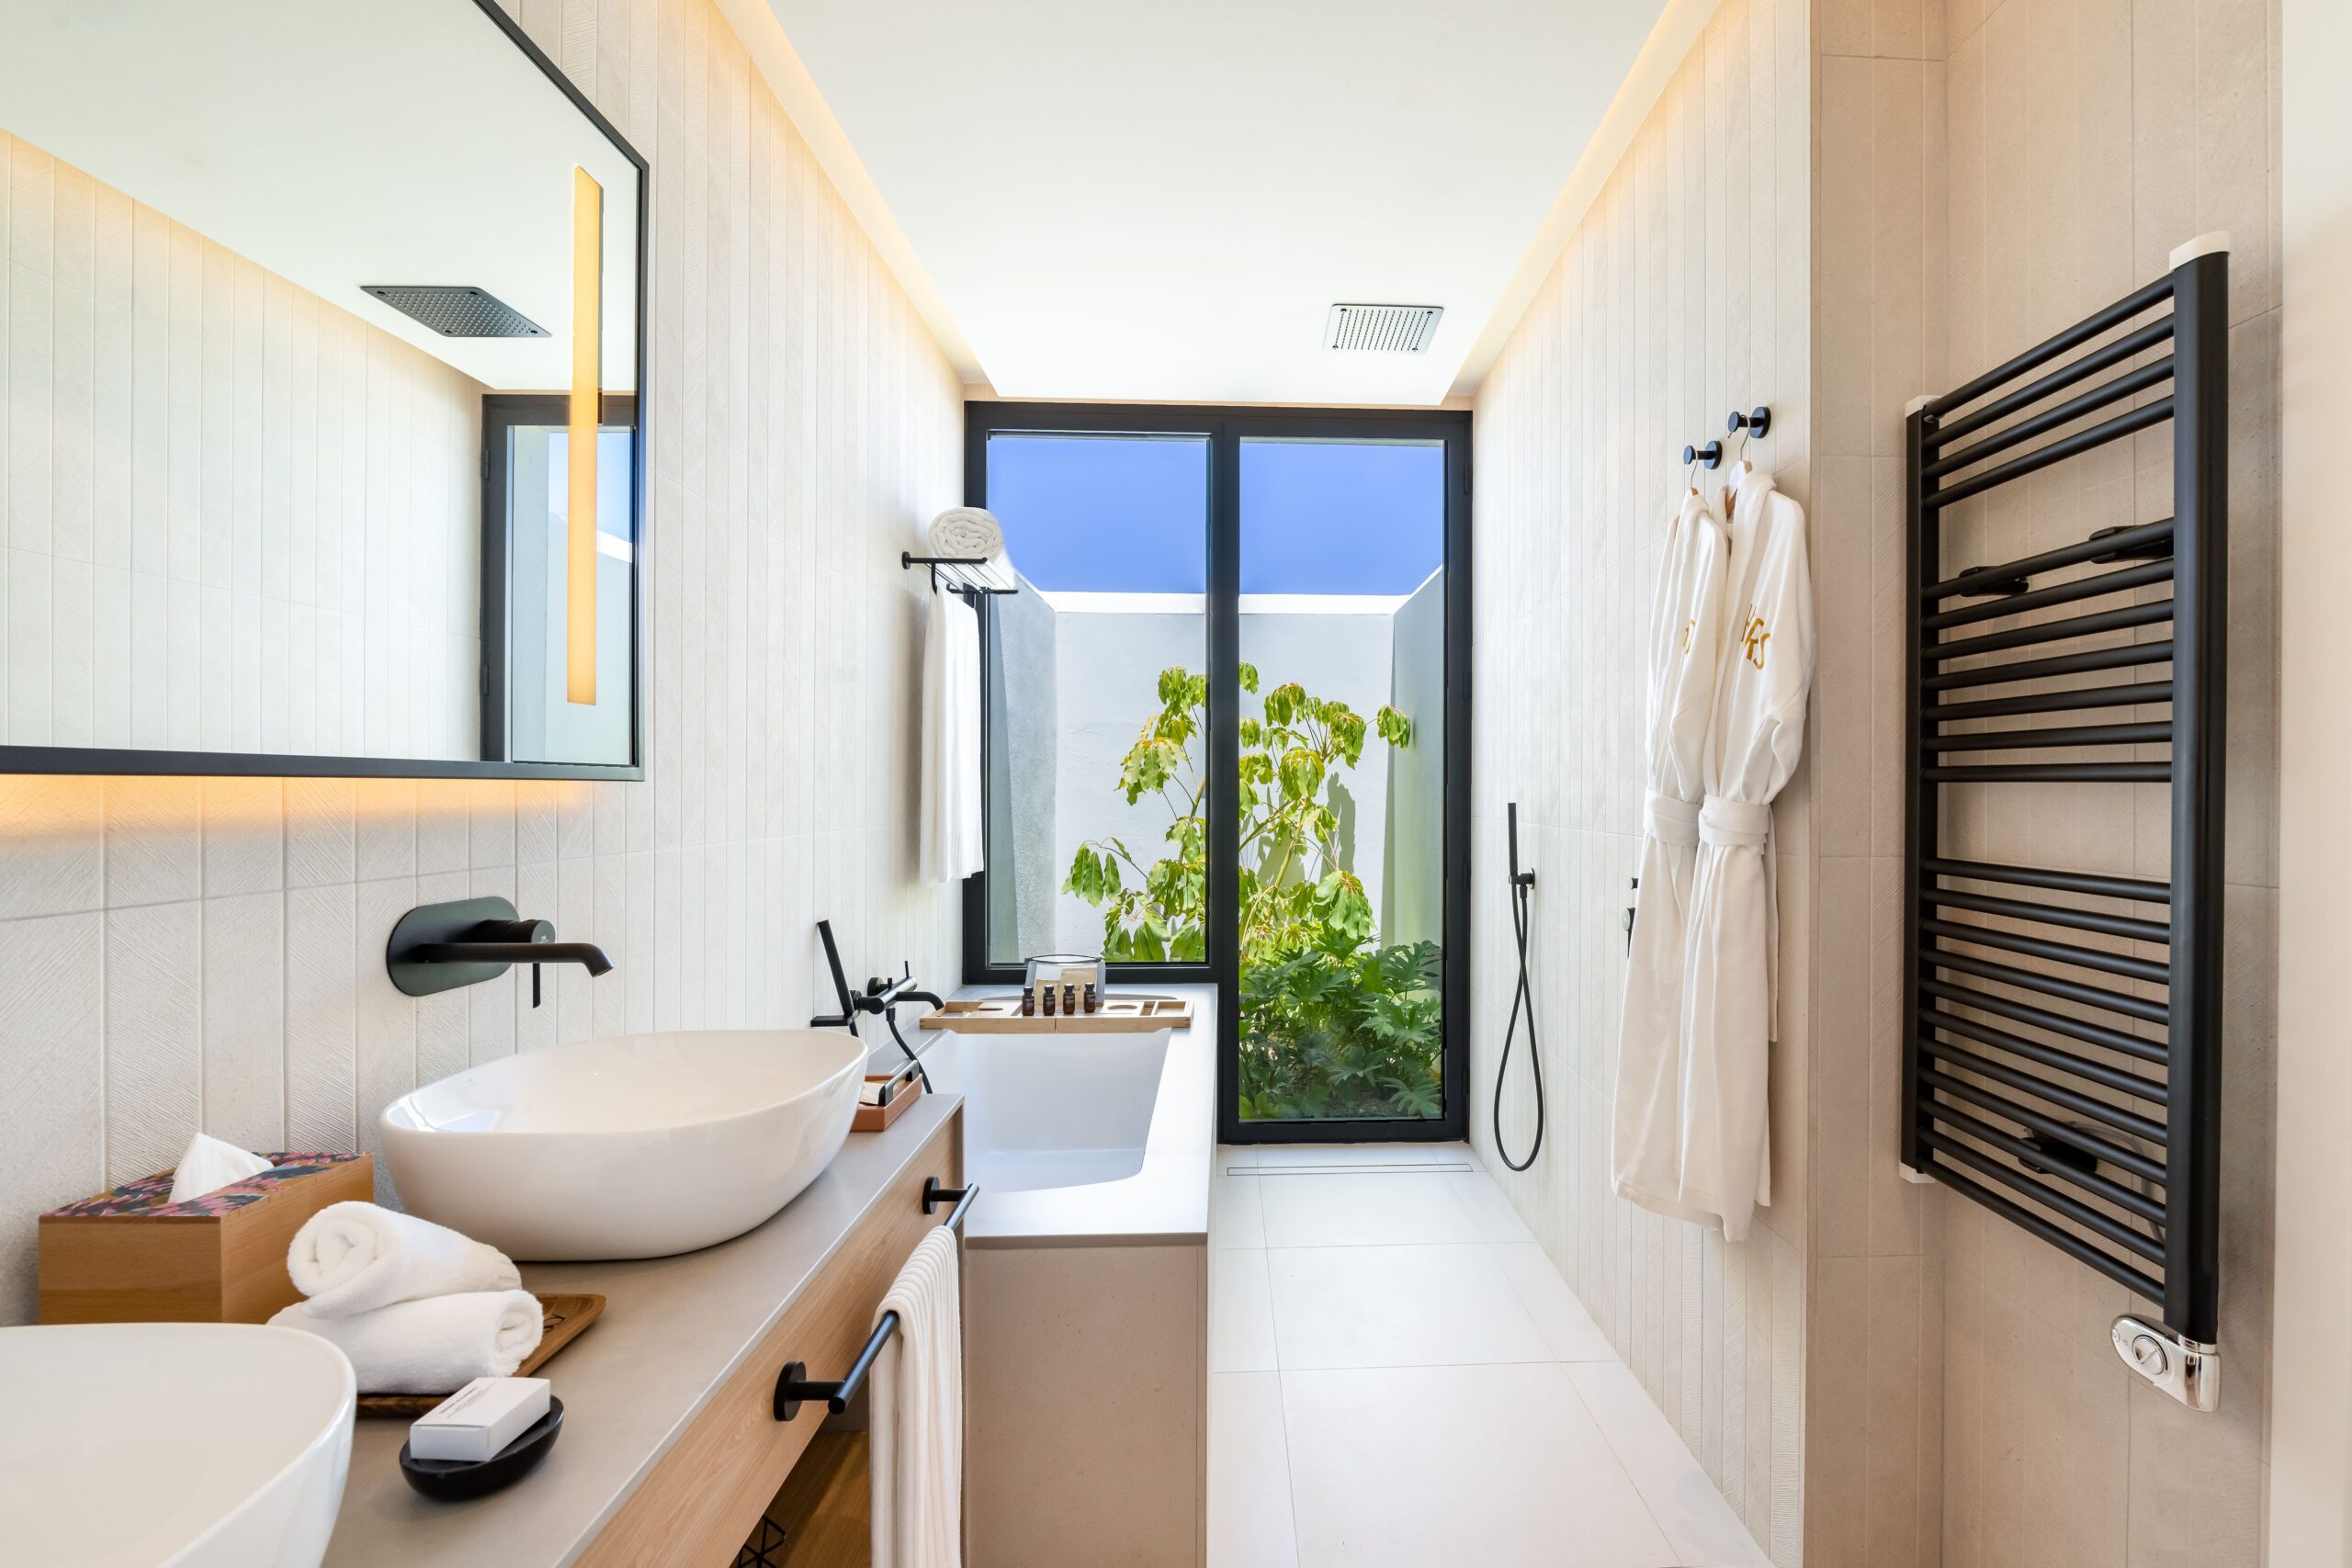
[
  {"x": 916, "y": 1455},
  {"x": 950, "y": 839}
]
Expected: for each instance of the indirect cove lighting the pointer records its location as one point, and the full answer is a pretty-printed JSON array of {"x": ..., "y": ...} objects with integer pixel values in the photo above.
[{"x": 585, "y": 413}]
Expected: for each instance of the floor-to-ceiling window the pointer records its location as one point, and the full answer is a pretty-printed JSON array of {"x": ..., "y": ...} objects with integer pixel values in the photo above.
[{"x": 1227, "y": 739}]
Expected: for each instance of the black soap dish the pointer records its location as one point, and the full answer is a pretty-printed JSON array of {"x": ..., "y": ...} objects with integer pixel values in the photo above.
[{"x": 456, "y": 1480}]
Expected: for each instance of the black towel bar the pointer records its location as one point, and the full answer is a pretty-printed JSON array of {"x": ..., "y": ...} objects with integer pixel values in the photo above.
[
  {"x": 793, "y": 1385},
  {"x": 975, "y": 577}
]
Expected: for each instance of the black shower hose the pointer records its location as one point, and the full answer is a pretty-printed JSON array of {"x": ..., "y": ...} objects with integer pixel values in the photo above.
[{"x": 1523, "y": 998}]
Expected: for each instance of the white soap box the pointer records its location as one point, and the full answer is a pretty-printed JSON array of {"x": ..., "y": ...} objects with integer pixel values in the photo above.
[{"x": 480, "y": 1419}]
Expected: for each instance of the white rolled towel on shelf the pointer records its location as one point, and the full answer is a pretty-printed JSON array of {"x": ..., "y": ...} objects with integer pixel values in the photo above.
[
  {"x": 966, "y": 531},
  {"x": 434, "y": 1346},
  {"x": 353, "y": 1258}
]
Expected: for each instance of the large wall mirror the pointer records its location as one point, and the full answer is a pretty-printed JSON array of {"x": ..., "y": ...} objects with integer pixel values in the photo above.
[{"x": 322, "y": 342}]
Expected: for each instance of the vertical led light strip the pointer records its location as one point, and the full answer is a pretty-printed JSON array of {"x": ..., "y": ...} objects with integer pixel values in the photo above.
[{"x": 587, "y": 396}]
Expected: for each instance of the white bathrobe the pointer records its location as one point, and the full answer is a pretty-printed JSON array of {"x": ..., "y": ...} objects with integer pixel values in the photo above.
[
  {"x": 1685, "y": 640},
  {"x": 1732, "y": 947}
]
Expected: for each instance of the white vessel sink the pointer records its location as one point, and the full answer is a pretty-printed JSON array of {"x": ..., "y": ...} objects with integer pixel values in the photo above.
[
  {"x": 638, "y": 1145},
  {"x": 171, "y": 1445}
]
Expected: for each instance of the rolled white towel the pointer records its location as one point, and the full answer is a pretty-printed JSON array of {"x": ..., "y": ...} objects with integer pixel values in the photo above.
[
  {"x": 353, "y": 1258},
  {"x": 968, "y": 532},
  {"x": 434, "y": 1346}
]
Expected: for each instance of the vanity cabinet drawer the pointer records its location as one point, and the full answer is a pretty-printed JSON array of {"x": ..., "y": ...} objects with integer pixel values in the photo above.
[{"x": 706, "y": 1495}]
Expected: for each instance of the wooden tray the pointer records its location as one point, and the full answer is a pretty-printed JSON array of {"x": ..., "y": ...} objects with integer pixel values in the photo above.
[
  {"x": 874, "y": 1118},
  {"x": 562, "y": 1320},
  {"x": 1118, "y": 1015}
]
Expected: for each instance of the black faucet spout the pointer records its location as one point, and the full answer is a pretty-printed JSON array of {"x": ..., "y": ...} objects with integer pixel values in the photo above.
[{"x": 587, "y": 955}]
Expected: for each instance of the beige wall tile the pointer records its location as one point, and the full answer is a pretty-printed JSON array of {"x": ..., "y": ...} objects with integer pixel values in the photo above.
[
  {"x": 2085, "y": 138},
  {"x": 1650, "y": 330}
]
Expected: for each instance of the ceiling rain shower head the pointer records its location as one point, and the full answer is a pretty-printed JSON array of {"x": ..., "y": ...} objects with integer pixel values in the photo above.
[{"x": 456, "y": 309}]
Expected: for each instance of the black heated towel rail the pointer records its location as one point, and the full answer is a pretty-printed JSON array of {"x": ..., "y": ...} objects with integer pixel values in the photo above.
[{"x": 2062, "y": 1030}]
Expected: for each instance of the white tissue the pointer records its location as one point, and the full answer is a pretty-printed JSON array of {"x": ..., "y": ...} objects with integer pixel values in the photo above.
[
  {"x": 353, "y": 1258},
  {"x": 430, "y": 1346},
  {"x": 210, "y": 1165}
]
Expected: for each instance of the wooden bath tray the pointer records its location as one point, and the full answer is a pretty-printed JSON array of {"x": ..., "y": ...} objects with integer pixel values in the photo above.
[
  {"x": 562, "y": 1319},
  {"x": 1117, "y": 1015}
]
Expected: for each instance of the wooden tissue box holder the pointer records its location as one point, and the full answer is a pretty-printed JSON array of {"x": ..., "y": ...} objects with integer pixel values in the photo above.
[{"x": 132, "y": 1256}]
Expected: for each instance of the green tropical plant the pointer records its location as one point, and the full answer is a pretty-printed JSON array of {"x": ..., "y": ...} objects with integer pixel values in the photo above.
[{"x": 1333, "y": 1024}]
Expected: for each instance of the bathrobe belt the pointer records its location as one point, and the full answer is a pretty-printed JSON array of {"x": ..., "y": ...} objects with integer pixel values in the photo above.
[
  {"x": 1673, "y": 821},
  {"x": 1737, "y": 824}
]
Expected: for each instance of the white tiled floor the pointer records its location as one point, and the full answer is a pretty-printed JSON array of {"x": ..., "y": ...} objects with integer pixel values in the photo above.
[{"x": 1399, "y": 1378}]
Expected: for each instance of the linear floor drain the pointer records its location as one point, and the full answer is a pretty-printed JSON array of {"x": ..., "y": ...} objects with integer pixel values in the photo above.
[{"x": 1410, "y": 1168}]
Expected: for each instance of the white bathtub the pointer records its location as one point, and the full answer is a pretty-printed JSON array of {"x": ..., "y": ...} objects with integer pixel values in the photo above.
[
  {"x": 1047, "y": 1110},
  {"x": 1084, "y": 1137},
  {"x": 1086, "y": 1290}
]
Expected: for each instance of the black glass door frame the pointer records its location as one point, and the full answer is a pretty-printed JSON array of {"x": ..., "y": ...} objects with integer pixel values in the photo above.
[{"x": 1226, "y": 429}]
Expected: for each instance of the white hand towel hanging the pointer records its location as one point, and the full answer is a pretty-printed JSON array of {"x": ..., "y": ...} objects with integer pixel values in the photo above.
[
  {"x": 1732, "y": 949},
  {"x": 916, "y": 1448},
  {"x": 950, "y": 836},
  {"x": 1685, "y": 635}
]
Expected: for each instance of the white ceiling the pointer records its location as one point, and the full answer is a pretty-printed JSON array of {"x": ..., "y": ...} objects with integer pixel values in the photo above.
[
  {"x": 338, "y": 142},
  {"x": 1159, "y": 199}
]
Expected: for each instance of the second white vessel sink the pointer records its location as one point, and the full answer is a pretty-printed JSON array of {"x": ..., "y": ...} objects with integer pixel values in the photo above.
[
  {"x": 171, "y": 1445},
  {"x": 638, "y": 1145}
]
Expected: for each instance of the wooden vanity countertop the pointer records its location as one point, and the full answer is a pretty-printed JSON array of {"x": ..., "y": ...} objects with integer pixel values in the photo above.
[{"x": 675, "y": 1330}]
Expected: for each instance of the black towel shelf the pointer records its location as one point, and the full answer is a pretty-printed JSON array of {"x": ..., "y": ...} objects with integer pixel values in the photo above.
[
  {"x": 2044, "y": 1076},
  {"x": 972, "y": 576},
  {"x": 793, "y": 1386}
]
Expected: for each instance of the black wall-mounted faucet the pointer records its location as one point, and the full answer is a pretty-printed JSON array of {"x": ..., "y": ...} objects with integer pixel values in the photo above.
[{"x": 439, "y": 947}]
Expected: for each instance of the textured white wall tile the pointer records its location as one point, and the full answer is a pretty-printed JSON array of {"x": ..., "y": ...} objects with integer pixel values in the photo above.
[
  {"x": 245, "y": 1020},
  {"x": 245, "y": 835},
  {"x": 320, "y": 1039},
  {"x": 154, "y": 1036},
  {"x": 51, "y": 1081},
  {"x": 383, "y": 1021},
  {"x": 51, "y": 855},
  {"x": 321, "y": 848},
  {"x": 384, "y": 828},
  {"x": 491, "y": 1005},
  {"x": 154, "y": 840}
]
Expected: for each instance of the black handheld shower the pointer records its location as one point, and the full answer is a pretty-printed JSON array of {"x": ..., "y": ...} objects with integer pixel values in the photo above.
[{"x": 1522, "y": 886}]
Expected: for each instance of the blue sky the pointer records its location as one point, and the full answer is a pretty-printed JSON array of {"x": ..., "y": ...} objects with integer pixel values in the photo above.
[{"x": 1130, "y": 514}]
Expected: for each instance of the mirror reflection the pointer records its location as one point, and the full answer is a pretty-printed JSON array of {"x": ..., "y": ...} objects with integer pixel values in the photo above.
[{"x": 323, "y": 343}]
